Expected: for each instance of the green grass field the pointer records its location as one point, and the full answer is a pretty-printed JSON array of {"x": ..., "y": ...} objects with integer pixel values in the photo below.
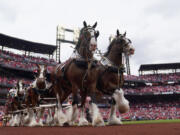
[{"x": 152, "y": 121}]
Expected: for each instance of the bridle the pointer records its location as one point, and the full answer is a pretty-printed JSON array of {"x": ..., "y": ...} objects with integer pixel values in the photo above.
[{"x": 86, "y": 38}]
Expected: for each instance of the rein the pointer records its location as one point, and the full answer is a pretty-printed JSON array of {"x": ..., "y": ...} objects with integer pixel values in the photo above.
[
  {"x": 86, "y": 73},
  {"x": 89, "y": 65}
]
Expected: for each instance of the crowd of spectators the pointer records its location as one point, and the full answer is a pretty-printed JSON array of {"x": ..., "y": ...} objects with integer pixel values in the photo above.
[
  {"x": 22, "y": 62},
  {"x": 1, "y": 112},
  {"x": 155, "y": 77},
  {"x": 131, "y": 77},
  {"x": 149, "y": 111},
  {"x": 153, "y": 89},
  {"x": 20, "y": 65},
  {"x": 161, "y": 77},
  {"x": 24, "y": 58},
  {"x": 164, "y": 79},
  {"x": 12, "y": 81}
]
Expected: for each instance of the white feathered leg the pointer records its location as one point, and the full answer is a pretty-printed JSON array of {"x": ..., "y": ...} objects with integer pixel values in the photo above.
[
  {"x": 11, "y": 121},
  {"x": 97, "y": 119},
  {"x": 16, "y": 120},
  {"x": 26, "y": 119},
  {"x": 56, "y": 120},
  {"x": 39, "y": 117},
  {"x": 113, "y": 119},
  {"x": 59, "y": 117},
  {"x": 82, "y": 120},
  {"x": 121, "y": 102},
  {"x": 49, "y": 119},
  {"x": 72, "y": 114},
  {"x": 32, "y": 117},
  {"x": 60, "y": 114}
]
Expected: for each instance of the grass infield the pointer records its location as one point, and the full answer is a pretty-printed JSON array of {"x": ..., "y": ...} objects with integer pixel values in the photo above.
[{"x": 152, "y": 121}]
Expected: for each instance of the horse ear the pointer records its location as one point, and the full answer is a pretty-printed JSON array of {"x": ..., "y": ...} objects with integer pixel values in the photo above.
[
  {"x": 85, "y": 24},
  {"x": 97, "y": 34},
  {"x": 94, "y": 26},
  {"x": 38, "y": 66},
  {"x": 124, "y": 34},
  {"x": 118, "y": 33}
]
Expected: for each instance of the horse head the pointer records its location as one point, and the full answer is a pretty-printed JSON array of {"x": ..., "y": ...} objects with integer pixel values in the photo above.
[
  {"x": 87, "y": 42},
  {"x": 119, "y": 45},
  {"x": 125, "y": 43},
  {"x": 40, "y": 82}
]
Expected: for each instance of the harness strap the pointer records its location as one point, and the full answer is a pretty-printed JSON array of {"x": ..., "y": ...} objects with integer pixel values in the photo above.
[
  {"x": 86, "y": 73},
  {"x": 118, "y": 78},
  {"x": 119, "y": 72}
]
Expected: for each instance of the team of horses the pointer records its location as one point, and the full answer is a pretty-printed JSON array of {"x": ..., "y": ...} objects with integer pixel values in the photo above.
[{"x": 81, "y": 76}]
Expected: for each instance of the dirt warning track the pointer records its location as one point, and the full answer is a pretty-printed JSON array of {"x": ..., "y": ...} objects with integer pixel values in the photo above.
[{"x": 140, "y": 129}]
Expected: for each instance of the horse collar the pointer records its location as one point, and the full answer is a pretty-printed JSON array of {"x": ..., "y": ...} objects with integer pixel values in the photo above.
[
  {"x": 76, "y": 55},
  {"x": 106, "y": 62}
]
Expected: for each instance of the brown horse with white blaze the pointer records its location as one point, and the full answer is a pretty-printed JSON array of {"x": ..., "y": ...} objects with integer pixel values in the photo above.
[
  {"x": 39, "y": 84},
  {"x": 111, "y": 79},
  {"x": 79, "y": 73}
]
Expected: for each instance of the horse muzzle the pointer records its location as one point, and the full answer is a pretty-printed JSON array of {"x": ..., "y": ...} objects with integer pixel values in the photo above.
[
  {"x": 41, "y": 83},
  {"x": 131, "y": 51},
  {"x": 93, "y": 47}
]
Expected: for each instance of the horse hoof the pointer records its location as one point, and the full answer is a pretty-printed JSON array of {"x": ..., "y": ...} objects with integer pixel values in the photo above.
[
  {"x": 66, "y": 124},
  {"x": 114, "y": 121},
  {"x": 83, "y": 123},
  {"x": 98, "y": 122}
]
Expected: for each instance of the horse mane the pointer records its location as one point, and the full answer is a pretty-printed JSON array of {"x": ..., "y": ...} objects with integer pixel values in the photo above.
[
  {"x": 79, "y": 41},
  {"x": 109, "y": 47},
  {"x": 78, "y": 44}
]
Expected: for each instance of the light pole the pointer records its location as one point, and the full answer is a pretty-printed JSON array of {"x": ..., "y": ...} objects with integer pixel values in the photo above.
[{"x": 60, "y": 38}]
